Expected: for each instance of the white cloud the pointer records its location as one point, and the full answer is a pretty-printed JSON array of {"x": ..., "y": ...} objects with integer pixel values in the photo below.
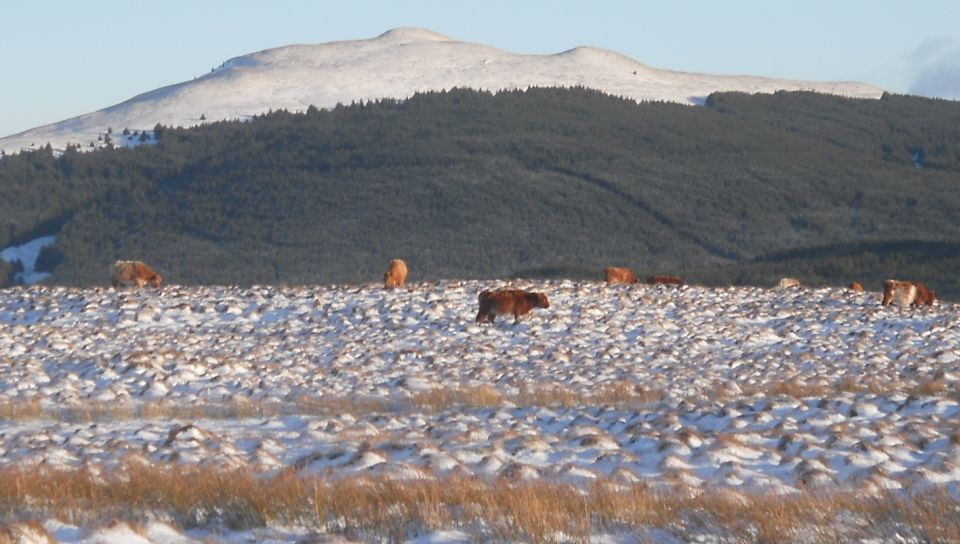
[{"x": 936, "y": 68}]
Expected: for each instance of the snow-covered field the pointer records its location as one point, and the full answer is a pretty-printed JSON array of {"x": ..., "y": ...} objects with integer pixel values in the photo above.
[
  {"x": 397, "y": 64},
  {"x": 691, "y": 388}
]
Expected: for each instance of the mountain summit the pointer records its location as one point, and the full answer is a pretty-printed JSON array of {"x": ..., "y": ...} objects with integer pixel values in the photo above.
[{"x": 395, "y": 64}]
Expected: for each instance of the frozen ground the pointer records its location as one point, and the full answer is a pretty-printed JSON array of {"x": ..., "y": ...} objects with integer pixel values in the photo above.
[{"x": 761, "y": 390}]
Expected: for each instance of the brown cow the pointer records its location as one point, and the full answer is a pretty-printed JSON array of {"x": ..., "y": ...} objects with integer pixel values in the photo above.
[
  {"x": 508, "y": 301},
  {"x": 615, "y": 274},
  {"x": 924, "y": 296},
  {"x": 396, "y": 274},
  {"x": 664, "y": 280},
  {"x": 786, "y": 283},
  {"x": 906, "y": 293},
  {"x": 856, "y": 286},
  {"x": 133, "y": 273}
]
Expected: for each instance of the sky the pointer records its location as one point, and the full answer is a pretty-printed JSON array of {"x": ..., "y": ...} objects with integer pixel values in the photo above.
[{"x": 65, "y": 58}]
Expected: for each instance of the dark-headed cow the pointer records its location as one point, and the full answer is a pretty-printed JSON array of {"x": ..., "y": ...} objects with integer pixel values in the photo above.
[
  {"x": 395, "y": 274},
  {"x": 615, "y": 274},
  {"x": 906, "y": 293},
  {"x": 133, "y": 273},
  {"x": 664, "y": 280},
  {"x": 508, "y": 301}
]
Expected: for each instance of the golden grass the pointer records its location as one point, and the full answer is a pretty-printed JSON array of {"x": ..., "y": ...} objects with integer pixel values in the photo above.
[
  {"x": 930, "y": 387},
  {"x": 28, "y": 531},
  {"x": 442, "y": 398},
  {"x": 622, "y": 394},
  {"x": 30, "y": 409},
  {"x": 798, "y": 389},
  {"x": 383, "y": 509}
]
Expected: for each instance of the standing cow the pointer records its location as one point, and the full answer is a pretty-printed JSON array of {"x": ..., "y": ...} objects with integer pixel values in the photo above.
[
  {"x": 906, "y": 293},
  {"x": 133, "y": 273},
  {"x": 616, "y": 274},
  {"x": 788, "y": 283},
  {"x": 508, "y": 301},
  {"x": 396, "y": 274}
]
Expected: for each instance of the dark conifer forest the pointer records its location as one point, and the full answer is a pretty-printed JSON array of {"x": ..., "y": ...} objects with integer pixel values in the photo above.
[{"x": 536, "y": 183}]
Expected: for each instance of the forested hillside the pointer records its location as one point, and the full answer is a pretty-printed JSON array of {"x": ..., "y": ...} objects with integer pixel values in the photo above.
[{"x": 546, "y": 182}]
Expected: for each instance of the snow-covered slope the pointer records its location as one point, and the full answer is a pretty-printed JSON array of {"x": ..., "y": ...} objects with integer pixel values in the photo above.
[
  {"x": 395, "y": 64},
  {"x": 27, "y": 255}
]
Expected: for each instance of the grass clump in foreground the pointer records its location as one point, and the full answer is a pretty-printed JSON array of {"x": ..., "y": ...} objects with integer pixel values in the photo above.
[{"x": 372, "y": 508}]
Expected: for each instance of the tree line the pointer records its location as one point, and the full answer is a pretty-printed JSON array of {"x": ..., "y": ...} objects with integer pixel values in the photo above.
[{"x": 542, "y": 183}]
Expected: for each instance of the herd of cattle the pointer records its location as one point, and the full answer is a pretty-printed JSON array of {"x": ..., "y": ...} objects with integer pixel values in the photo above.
[{"x": 519, "y": 302}]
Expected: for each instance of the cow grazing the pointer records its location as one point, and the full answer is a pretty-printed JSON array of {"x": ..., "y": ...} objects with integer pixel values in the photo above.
[
  {"x": 396, "y": 274},
  {"x": 924, "y": 296},
  {"x": 786, "y": 283},
  {"x": 614, "y": 274},
  {"x": 856, "y": 286},
  {"x": 133, "y": 273},
  {"x": 906, "y": 293},
  {"x": 664, "y": 280},
  {"x": 508, "y": 301}
]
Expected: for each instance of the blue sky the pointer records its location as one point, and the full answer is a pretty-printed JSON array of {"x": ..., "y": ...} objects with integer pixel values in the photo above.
[{"x": 67, "y": 58}]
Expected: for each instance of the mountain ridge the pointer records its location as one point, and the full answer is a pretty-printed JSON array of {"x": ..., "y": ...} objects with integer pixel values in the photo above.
[{"x": 396, "y": 64}]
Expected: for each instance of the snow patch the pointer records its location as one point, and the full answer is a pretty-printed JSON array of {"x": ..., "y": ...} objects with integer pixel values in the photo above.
[{"x": 27, "y": 255}]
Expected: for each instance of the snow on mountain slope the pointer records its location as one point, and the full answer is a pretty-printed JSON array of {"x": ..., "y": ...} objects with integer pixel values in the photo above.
[{"x": 395, "y": 64}]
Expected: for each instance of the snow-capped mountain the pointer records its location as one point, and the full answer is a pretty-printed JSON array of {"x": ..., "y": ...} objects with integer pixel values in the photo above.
[{"x": 395, "y": 64}]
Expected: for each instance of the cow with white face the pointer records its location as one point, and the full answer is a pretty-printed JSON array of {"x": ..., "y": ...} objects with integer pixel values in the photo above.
[{"x": 906, "y": 293}]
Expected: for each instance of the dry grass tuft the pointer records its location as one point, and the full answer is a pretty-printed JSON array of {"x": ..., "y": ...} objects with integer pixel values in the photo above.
[
  {"x": 932, "y": 516},
  {"x": 19, "y": 410},
  {"x": 625, "y": 393},
  {"x": 622, "y": 394},
  {"x": 24, "y": 531},
  {"x": 928, "y": 387},
  {"x": 442, "y": 398},
  {"x": 91, "y": 411},
  {"x": 393, "y": 510},
  {"x": 799, "y": 389},
  {"x": 548, "y": 394},
  {"x": 328, "y": 405},
  {"x": 849, "y": 384}
]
